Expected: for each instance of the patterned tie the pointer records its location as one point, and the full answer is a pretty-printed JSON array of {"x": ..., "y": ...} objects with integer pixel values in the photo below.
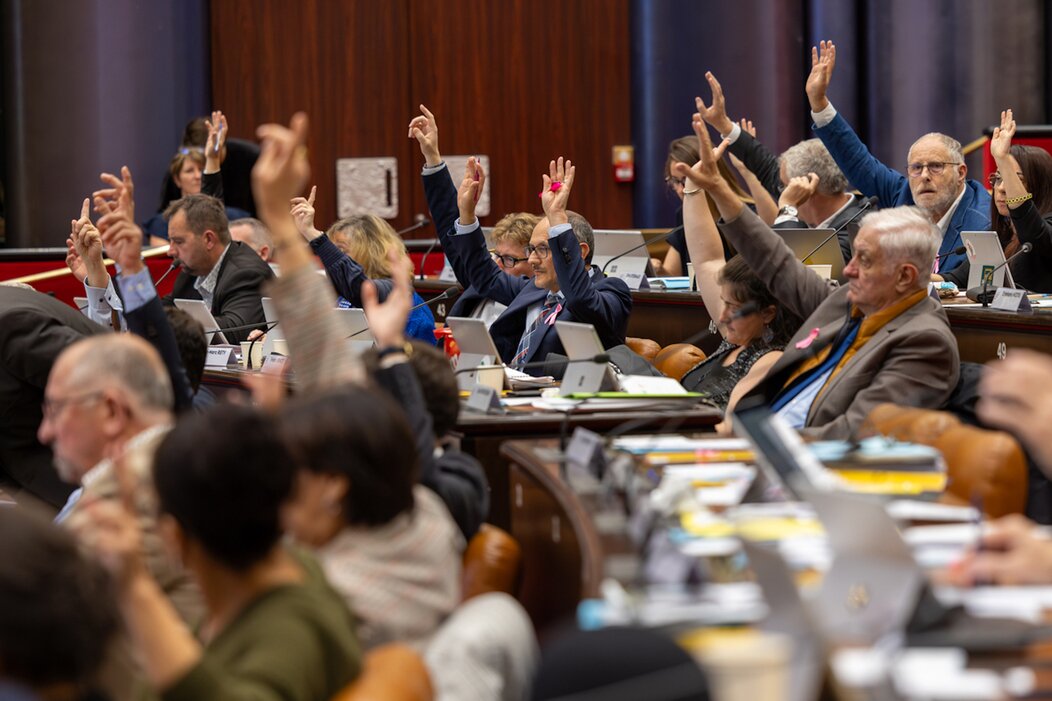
[{"x": 523, "y": 351}]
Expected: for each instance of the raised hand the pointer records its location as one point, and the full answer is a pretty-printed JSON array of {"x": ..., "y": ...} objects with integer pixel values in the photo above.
[
  {"x": 716, "y": 113},
  {"x": 705, "y": 173},
  {"x": 303, "y": 215},
  {"x": 1001, "y": 141},
  {"x": 424, "y": 129},
  {"x": 469, "y": 191},
  {"x": 555, "y": 190},
  {"x": 823, "y": 59},
  {"x": 799, "y": 190},
  {"x": 217, "y": 133},
  {"x": 282, "y": 170},
  {"x": 387, "y": 319},
  {"x": 84, "y": 249},
  {"x": 120, "y": 193}
]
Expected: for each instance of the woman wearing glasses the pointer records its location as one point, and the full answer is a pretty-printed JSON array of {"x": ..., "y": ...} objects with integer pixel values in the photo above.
[{"x": 1021, "y": 210}]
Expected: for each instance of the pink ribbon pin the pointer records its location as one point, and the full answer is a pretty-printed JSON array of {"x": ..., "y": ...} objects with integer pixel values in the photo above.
[
  {"x": 804, "y": 343},
  {"x": 550, "y": 320},
  {"x": 554, "y": 187}
]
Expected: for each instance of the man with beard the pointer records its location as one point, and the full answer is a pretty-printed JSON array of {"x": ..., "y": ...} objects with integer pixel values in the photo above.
[{"x": 937, "y": 181}]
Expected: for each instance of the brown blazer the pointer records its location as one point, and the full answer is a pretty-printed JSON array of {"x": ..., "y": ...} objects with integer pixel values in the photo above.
[{"x": 913, "y": 360}]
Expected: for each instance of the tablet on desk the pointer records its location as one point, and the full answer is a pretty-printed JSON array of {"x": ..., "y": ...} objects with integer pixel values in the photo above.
[
  {"x": 985, "y": 254},
  {"x": 810, "y": 241},
  {"x": 200, "y": 311}
]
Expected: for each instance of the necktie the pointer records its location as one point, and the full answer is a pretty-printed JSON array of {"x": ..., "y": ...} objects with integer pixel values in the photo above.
[{"x": 523, "y": 351}]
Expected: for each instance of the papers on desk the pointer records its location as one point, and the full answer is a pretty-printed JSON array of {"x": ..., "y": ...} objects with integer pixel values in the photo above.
[
  {"x": 669, "y": 283},
  {"x": 641, "y": 445},
  {"x": 715, "y": 484},
  {"x": 712, "y": 604},
  {"x": 1022, "y": 603}
]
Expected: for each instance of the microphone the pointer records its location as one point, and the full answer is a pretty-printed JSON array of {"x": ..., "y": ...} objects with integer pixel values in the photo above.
[
  {"x": 659, "y": 239},
  {"x": 980, "y": 293},
  {"x": 955, "y": 252},
  {"x": 870, "y": 202},
  {"x": 434, "y": 242},
  {"x": 452, "y": 291},
  {"x": 175, "y": 264},
  {"x": 419, "y": 222}
]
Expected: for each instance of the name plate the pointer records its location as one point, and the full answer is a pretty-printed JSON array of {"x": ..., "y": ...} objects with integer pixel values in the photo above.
[
  {"x": 1010, "y": 300},
  {"x": 274, "y": 364},
  {"x": 219, "y": 356},
  {"x": 447, "y": 274},
  {"x": 484, "y": 399},
  {"x": 586, "y": 451}
]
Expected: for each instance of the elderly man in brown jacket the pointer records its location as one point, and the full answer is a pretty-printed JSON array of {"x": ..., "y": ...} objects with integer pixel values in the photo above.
[{"x": 880, "y": 338}]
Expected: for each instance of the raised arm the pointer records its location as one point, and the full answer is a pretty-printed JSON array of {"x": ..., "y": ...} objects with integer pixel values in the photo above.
[
  {"x": 862, "y": 169},
  {"x": 211, "y": 178},
  {"x": 703, "y": 238},
  {"x": 438, "y": 181},
  {"x": 766, "y": 208},
  {"x": 1030, "y": 224}
]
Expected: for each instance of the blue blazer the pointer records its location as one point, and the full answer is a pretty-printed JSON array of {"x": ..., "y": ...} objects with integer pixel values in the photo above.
[
  {"x": 892, "y": 188},
  {"x": 605, "y": 303}
]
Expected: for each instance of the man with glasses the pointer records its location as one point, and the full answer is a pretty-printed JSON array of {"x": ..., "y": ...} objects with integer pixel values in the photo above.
[
  {"x": 564, "y": 285},
  {"x": 34, "y": 329},
  {"x": 937, "y": 176}
]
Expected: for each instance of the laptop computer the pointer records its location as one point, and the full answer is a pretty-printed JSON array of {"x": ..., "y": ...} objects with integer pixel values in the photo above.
[
  {"x": 985, "y": 254},
  {"x": 803, "y": 241},
  {"x": 581, "y": 343},
  {"x": 477, "y": 350},
  {"x": 276, "y": 332},
  {"x": 356, "y": 324},
  {"x": 634, "y": 267},
  {"x": 200, "y": 311}
]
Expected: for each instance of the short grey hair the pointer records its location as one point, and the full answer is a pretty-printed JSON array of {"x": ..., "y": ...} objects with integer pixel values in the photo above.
[
  {"x": 127, "y": 361},
  {"x": 907, "y": 235},
  {"x": 948, "y": 142},
  {"x": 583, "y": 231},
  {"x": 260, "y": 233},
  {"x": 812, "y": 156}
]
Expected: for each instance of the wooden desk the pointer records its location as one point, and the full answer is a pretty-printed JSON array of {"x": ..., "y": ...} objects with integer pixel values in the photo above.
[
  {"x": 485, "y": 434},
  {"x": 670, "y": 317}
]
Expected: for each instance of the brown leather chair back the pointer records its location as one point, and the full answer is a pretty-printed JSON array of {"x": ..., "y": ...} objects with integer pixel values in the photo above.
[
  {"x": 678, "y": 359},
  {"x": 492, "y": 562},
  {"x": 983, "y": 465},
  {"x": 644, "y": 347},
  {"x": 392, "y": 672}
]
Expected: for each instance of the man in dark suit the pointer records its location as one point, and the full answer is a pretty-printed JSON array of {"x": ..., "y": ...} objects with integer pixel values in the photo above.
[
  {"x": 563, "y": 286},
  {"x": 226, "y": 274},
  {"x": 34, "y": 329}
]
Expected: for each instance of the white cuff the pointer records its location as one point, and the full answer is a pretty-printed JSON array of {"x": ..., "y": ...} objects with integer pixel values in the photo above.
[
  {"x": 732, "y": 136},
  {"x": 824, "y": 117},
  {"x": 429, "y": 170},
  {"x": 462, "y": 229}
]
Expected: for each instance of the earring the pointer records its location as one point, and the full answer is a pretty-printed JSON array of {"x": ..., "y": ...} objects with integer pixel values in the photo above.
[{"x": 767, "y": 336}]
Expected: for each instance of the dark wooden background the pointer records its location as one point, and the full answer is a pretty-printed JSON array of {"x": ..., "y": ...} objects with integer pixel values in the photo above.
[{"x": 522, "y": 81}]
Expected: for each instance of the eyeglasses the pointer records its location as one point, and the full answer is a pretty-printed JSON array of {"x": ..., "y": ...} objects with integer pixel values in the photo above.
[
  {"x": 995, "y": 178},
  {"x": 934, "y": 168},
  {"x": 507, "y": 261},
  {"x": 542, "y": 251},
  {"x": 53, "y": 407},
  {"x": 671, "y": 180}
]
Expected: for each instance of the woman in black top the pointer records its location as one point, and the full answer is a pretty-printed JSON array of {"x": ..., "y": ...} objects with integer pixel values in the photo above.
[{"x": 1021, "y": 209}]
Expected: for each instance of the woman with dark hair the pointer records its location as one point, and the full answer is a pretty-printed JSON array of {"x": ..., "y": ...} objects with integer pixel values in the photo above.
[
  {"x": 388, "y": 544},
  {"x": 754, "y": 325},
  {"x": 1021, "y": 209},
  {"x": 274, "y": 628}
]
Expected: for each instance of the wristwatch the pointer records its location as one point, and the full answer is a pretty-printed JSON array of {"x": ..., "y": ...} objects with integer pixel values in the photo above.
[{"x": 789, "y": 211}]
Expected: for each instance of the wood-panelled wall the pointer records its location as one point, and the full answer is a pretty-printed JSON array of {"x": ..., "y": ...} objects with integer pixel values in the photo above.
[{"x": 522, "y": 81}]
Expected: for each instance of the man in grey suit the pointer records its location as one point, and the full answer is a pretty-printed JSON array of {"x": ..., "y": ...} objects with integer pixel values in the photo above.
[{"x": 880, "y": 338}]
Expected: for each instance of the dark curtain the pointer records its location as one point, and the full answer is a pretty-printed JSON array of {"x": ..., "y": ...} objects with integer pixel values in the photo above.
[{"x": 904, "y": 68}]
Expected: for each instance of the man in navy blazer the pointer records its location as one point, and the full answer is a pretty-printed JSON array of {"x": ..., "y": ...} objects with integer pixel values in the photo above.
[
  {"x": 937, "y": 181},
  {"x": 560, "y": 252}
]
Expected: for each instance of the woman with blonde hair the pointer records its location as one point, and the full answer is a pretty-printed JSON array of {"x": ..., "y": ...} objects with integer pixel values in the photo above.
[{"x": 355, "y": 250}]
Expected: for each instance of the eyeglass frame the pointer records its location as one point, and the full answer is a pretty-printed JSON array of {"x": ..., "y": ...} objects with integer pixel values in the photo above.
[
  {"x": 542, "y": 251},
  {"x": 50, "y": 408},
  {"x": 995, "y": 178},
  {"x": 934, "y": 168},
  {"x": 503, "y": 258}
]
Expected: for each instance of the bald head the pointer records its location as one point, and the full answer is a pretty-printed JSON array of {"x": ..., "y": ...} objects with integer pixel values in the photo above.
[{"x": 121, "y": 360}]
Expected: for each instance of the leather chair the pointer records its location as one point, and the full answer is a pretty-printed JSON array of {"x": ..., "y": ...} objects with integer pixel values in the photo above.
[
  {"x": 492, "y": 563},
  {"x": 678, "y": 359},
  {"x": 983, "y": 465},
  {"x": 644, "y": 347},
  {"x": 392, "y": 672}
]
